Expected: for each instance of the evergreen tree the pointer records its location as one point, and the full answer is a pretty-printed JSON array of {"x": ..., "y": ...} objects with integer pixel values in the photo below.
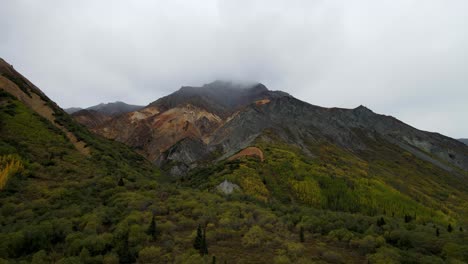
[
  {"x": 449, "y": 228},
  {"x": 380, "y": 222},
  {"x": 213, "y": 260},
  {"x": 301, "y": 234},
  {"x": 437, "y": 232},
  {"x": 121, "y": 182},
  {"x": 461, "y": 229},
  {"x": 408, "y": 218},
  {"x": 197, "y": 244},
  {"x": 152, "y": 230},
  {"x": 124, "y": 250},
  {"x": 241, "y": 215}
]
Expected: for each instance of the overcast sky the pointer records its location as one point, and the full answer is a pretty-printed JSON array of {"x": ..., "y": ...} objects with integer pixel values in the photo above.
[{"x": 404, "y": 58}]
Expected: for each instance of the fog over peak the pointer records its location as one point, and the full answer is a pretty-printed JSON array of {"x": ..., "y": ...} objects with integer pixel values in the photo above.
[{"x": 404, "y": 58}]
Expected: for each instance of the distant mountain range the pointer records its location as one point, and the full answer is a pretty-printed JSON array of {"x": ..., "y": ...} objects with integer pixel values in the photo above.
[
  {"x": 95, "y": 116},
  {"x": 464, "y": 140},
  {"x": 110, "y": 109}
]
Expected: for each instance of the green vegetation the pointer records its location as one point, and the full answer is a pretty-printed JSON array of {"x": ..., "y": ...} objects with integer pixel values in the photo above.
[{"x": 328, "y": 206}]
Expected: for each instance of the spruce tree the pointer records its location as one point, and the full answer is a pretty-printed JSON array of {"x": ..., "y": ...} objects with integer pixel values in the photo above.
[
  {"x": 121, "y": 182},
  {"x": 437, "y": 232},
  {"x": 213, "y": 260},
  {"x": 152, "y": 230},
  {"x": 380, "y": 222},
  {"x": 197, "y": 244},
  {"x": 449, "y": 228},
  {"x": 408, "y": 218},
  {"x": 124, "y": 250}
]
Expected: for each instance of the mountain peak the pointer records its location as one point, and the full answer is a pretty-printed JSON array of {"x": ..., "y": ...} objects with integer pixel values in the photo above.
[
  {"x": 362, "y": 108},
  {"x": 220, "y": 97}
]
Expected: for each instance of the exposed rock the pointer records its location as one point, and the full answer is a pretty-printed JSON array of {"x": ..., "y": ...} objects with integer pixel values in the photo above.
[
  {"x": 250, "y": 151},
  {"x": 227, "y": 187}
]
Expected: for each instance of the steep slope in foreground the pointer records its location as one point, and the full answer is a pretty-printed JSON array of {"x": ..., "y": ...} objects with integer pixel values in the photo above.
[{"x": 59, "y": 205}]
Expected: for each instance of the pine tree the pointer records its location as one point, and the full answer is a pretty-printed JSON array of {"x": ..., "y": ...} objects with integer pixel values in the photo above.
[
  {"x": 124, "y": 250},
  {"x": 197, "y": 244},
  {"x": 301, "y": 234},
  {"x": 408, "y": 218},
  {"x": 449, "y": 228},
  {"x": 152, "y": 230},
  {"x": 121, "y": 182}
]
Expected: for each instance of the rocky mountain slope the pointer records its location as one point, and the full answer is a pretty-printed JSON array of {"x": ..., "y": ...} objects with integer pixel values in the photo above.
[{"x": 221, "y": 118}]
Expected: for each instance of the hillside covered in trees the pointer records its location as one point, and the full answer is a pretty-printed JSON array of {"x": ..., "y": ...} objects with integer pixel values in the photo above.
[{"x": 70, "y": 196}]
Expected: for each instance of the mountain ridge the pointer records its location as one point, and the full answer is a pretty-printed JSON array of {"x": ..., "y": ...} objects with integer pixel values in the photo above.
[
  {"x": 111, "y": 108},
  {"x": 227, "y": 117}
]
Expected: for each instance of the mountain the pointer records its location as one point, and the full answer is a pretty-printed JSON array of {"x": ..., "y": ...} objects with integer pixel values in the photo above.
[
  {"x": 190, "y": 125},
  {"x": 198, "y": 135},
  {"x": 72, "y": 110},
  {"x": 192, "y": 113},
  {"x": 95, "y": 116},
  {"x": 464, "y": 140},
  {"x": 91, "y": 118},
  {"x": 115, "y": 108},
  {"x": 356, "y": 188},
  {"x": 109, "y": 109}
]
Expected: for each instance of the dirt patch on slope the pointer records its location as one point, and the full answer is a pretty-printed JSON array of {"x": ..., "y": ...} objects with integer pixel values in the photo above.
[{"x": 250, "y": 151}]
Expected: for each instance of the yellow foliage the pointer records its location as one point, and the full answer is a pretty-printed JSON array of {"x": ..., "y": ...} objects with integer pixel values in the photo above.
[
  {"x": 9, "y": 165},
  {"x": 308, "y": 191},
  {"x": 254, "y": 186}
]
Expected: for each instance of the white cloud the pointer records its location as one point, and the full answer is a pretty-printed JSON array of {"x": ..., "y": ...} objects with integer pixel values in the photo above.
[{"x": 406, "y": 58}]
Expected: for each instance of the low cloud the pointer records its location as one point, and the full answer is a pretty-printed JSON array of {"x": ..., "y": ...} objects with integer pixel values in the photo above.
[{"x": 404, "y": 58}]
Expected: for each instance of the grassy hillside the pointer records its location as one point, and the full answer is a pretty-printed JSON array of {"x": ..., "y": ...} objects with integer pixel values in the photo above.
[{"x": 60, "y": 206}]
